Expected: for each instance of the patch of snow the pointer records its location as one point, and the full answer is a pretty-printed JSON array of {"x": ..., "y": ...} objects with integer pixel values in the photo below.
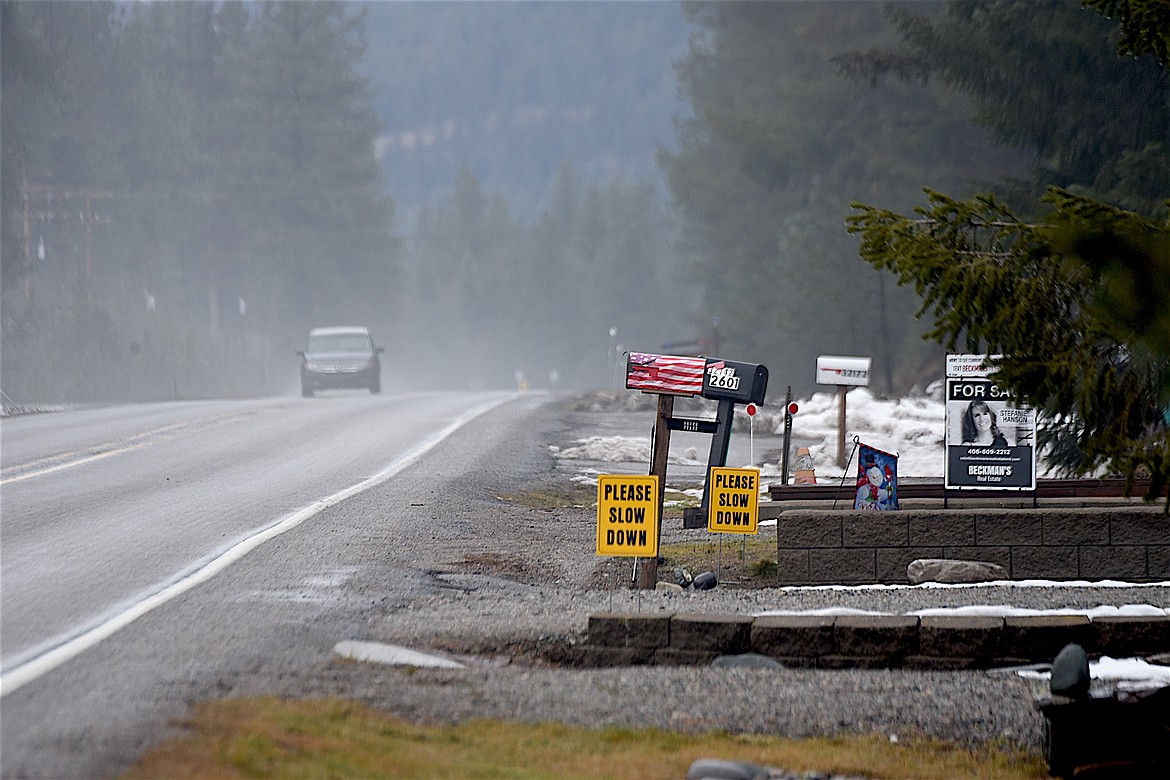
[
  {"x": 1124, "y": 673},
  {"x": 618, "y": 449},
  {"x": 394, "y": 655}
]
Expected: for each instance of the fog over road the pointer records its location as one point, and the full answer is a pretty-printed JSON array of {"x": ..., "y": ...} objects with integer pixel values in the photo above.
[{"x": 149, "y": 551}]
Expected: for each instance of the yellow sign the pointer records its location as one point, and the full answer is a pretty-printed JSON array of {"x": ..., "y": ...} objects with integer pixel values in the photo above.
[
  {"x": 627, "y": 515},
  {"x": 734, "y": 501}
]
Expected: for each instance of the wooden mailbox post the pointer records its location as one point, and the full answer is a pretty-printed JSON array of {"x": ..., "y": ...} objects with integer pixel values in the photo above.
[{"x": 668, "y": 376}]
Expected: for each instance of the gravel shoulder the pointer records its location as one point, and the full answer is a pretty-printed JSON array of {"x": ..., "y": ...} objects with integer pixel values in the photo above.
[{"x": 515, "y": 588}]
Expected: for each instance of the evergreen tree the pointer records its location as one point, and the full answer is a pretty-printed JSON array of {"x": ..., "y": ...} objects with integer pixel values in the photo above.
[
  {"x": 492, "y": 297},
  {"x": 1074, "y": 299},
  {"x": 57, "y": 124},
  {"x": 462, "y": 274},
  {"x": 778, "y": 146},
  {"x": 1045, "y": 78},
  {"x": 1145, "y": 26},
  {"x": 322, "y": 219},
  {"x": 221, "y": 156},
  {"x": 1074, "y": 304}
]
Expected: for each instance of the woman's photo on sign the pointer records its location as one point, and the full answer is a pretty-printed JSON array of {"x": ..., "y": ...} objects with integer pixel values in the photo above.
[{"x": 980, "y": 425}]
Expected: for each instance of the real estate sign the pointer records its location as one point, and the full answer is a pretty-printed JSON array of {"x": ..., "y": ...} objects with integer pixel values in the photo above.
[{"x": 990, "y": 441}]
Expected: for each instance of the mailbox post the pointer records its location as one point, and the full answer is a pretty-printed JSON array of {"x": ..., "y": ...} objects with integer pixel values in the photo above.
[
  {"x": 726, "y": 381},
  {"x": 845, "y": 372},
  {"x": 729, "y": 383}
]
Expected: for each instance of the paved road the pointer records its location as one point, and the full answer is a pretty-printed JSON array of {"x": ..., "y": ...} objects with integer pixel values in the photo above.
[{"x": 149, "y": 552}]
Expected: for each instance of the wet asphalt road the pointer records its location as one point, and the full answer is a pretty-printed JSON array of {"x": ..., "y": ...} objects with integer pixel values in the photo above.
[{"x": 152, "y": 553}]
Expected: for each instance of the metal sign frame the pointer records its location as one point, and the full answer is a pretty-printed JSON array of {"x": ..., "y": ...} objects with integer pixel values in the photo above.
[{"x": 977, "y": 408}]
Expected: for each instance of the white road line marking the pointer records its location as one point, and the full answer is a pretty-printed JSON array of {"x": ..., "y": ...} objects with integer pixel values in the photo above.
[
  {"x": 71, "y": 647},
  {"x": 72, "y": 463},
  {"x": 138, "y": 441}
]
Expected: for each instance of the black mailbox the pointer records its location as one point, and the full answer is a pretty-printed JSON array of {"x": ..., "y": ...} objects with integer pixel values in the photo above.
[{"x": 730, "y": 381}]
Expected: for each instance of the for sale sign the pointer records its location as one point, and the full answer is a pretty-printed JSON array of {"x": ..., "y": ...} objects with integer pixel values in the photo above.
[{"x": 990, "y": 441}]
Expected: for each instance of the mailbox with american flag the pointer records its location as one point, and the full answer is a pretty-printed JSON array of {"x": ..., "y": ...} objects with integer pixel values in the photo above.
[{"x": 668, "y": 374}]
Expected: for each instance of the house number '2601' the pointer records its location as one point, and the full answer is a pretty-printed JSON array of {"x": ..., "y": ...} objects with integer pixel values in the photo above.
[{"x": 723, "y": 378}]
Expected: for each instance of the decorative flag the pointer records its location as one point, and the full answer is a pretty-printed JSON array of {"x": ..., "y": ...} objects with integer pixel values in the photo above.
[
  {"x": 671, "y": 374},
  {"x": 877, "y": 479}
]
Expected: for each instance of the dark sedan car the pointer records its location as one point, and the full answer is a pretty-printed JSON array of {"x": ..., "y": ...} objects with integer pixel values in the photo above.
[{"x": 340, "y": 357}]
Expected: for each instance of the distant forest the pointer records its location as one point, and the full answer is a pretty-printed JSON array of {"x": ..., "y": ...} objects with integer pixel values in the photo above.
[
  {"x": 513, "y": 193},
  {"x": 514, "y": 90}
]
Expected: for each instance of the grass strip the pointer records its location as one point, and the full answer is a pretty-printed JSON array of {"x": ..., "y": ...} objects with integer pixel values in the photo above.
[{"x": 271, "y": 737}]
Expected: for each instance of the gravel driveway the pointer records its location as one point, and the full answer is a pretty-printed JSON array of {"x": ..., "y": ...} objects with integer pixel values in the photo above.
[{"x": 516, "y": 585}]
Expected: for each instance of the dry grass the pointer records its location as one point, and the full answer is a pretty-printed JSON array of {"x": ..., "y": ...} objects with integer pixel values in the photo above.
[
  {"x": 266, "y": 737},
  {"x": 747, "y": 561},
  {"x": 565, "y": 496}
]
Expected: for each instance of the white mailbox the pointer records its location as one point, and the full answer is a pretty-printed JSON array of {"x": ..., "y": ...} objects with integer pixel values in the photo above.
[{"x": 837, "y": 370}]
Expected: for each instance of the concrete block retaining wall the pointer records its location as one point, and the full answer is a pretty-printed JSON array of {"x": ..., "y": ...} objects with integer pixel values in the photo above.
[
  {"x": 866, "y": 641},
  {"x": 824, "y": 546}
]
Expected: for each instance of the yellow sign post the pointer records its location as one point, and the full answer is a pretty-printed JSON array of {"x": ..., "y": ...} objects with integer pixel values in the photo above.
[
  {"x": 627, "y": 515},
  {"x": 735, "y": 501}
]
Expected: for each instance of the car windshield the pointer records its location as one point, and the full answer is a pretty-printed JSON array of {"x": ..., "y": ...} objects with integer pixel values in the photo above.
[{"x": 339, "y": 342}]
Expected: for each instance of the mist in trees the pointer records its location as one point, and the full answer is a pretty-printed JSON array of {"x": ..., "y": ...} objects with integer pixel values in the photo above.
[
  {"x": 1065, "y": 274},
  {"x": 779, "y": 145},
  {"x": 499, "y": 303},
  {"x": 513, "y": 89},
  {"x": 189, "y": 187}
]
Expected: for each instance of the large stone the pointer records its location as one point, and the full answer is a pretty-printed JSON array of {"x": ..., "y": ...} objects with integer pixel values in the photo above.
[
  {"x": 1070, "y": 673},
  {"x": 883, "y": 639},
  {"x": 746, "y": 661},
  {"x": 960, "y": 637},
  {"x": 946, "y": 570},
  {"x": 1040, "y": 637},
  {"x": 1120, "y": 636},
  {"x": 705, "y": 581},
  {"x": 718, "y": 769},
  {"x": 806, "y": 636}
]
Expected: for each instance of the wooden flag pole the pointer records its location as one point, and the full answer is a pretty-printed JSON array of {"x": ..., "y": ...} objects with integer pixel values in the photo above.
[{"x": 841, "y": 425}]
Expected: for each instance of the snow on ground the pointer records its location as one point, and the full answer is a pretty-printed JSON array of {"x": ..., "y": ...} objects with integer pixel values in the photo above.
[
  {"x": 995, "y": 610},
  {"x": 620, "y": 449},
  {"x": 1124, "y": 673},
  {"x": 912, "y": 428}
]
